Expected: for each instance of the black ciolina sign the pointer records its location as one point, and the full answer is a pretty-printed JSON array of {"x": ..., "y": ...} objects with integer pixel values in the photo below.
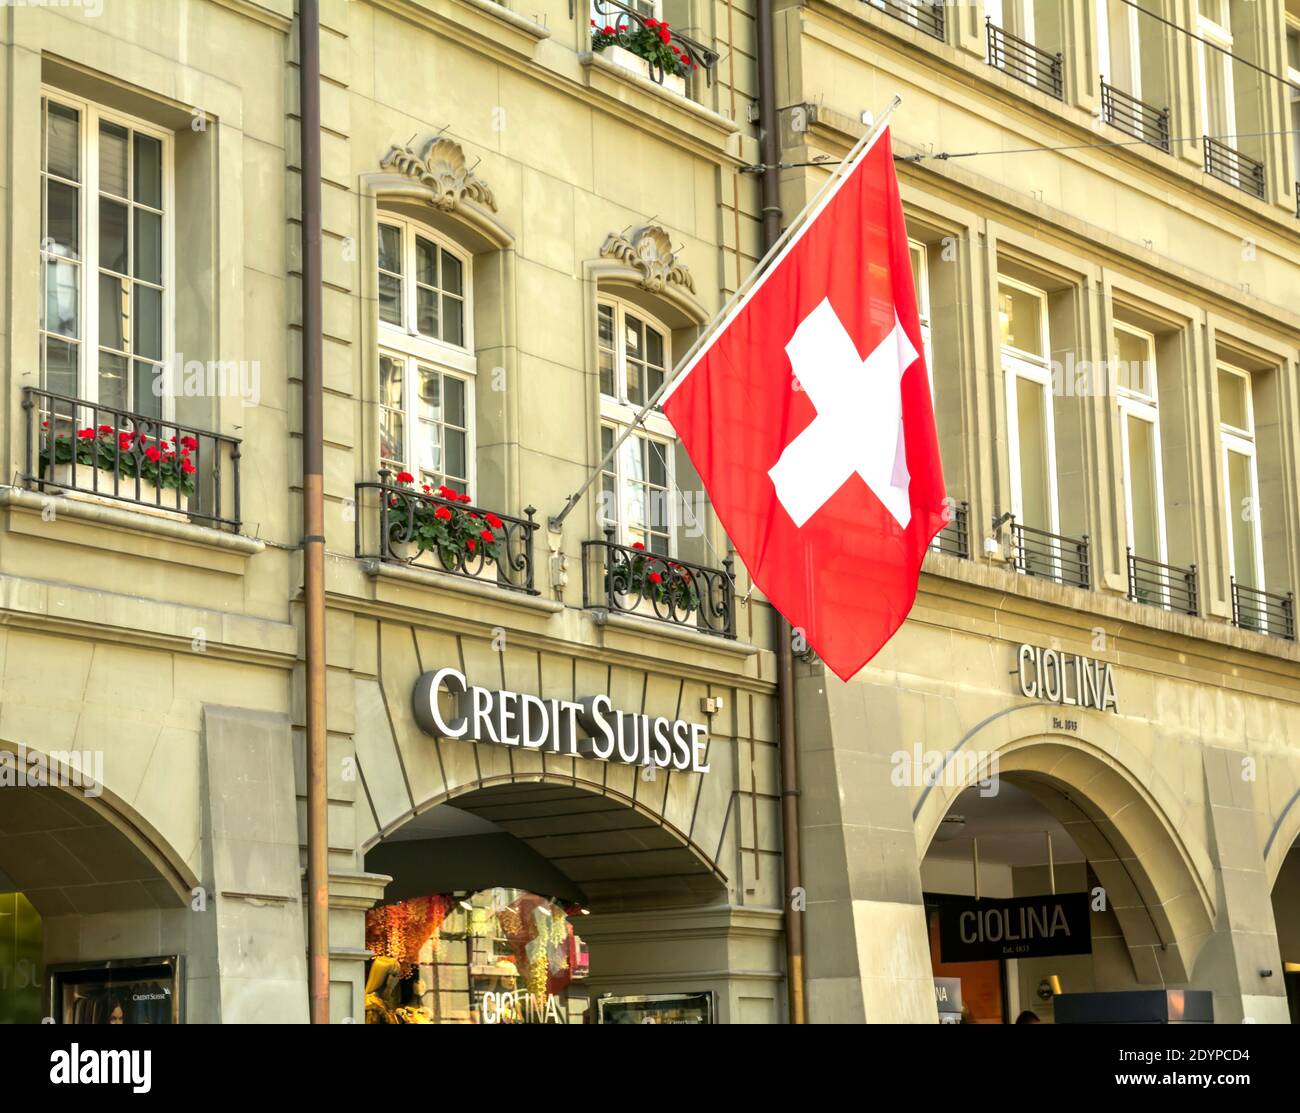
[
  {"x": 1023, "y": 927},
  {"x": 588, "y": 727}
]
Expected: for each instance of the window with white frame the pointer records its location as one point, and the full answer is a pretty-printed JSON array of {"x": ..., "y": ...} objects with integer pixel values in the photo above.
[
  {"x": 426, "y": 357},
  {"x": 1240, "y": 476},
  {"x": 1138, "y": 403},
  {"x": 1119, "y": 46},
  {"x": 106, "y": 249},
  {"x": 637, "y": 485},
  {"x": 1218, "y": 105},
  {"x": 1293, "y": 93},
  {"x": 1031, "y": 432},
  {"x": 921, "y": 276},
  {"x": 1013, "y": 16}
]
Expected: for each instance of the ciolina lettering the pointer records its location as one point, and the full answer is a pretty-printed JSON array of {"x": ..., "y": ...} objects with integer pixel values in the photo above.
[
  {"x": 1013, "y": 925},
  {"x": 584, "y": 728},
  {"x": 1049, "y": 674}
]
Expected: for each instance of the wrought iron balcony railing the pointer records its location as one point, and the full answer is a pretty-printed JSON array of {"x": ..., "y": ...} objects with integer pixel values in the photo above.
[
  {"x": 1162, "y": 585},
  {"x": 954, "y": 538},
  {"x": 399, "y": 523},
  {"x": 627, "y": 22},
  {"x": 1297, "y": 200},
  {"x": 1135, "y": 117},
  {"x": 1265, "y": 612},
  {"x": 91, "y": 451},
  {"x": 1234, "y": 168},
  {"x": 627, "y": 580},
  {"x": 1025, "y": 61},
  {"x": 1051, "y": 556},
  {"x": 924, "y": 15}
]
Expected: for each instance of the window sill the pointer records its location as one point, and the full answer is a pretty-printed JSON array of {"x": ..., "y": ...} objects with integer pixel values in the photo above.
[
  {"x": 670, "y": 632},
  {"x": 459, "y": 585},
  {"x": 475, "y": 23},
  {"x": 654, "y": 104},
  {"x": 131, "y": 521}
]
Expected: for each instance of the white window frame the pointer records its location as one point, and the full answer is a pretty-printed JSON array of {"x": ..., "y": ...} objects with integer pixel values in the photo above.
[
  {"x": 1143, "y": 407},
  {"x": 407, "y": 343},
  {"x": 1293, "y": 101},
  {"x": 91, "y": 115},
  {"x": 617, "y": 412},
  {"x": 1221, "y": 34},
  {"x": 1105, "y": 56},
  {"x": 1021, "y": 14},
  {"x": 1241, "y": 441},
  {"x": 1017, "y": 365}
]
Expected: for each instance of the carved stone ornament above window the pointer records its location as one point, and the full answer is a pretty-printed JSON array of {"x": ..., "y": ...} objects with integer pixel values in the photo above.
[
  {"x": 650, "y": 250},
  {"x": 443, "y": 169}
]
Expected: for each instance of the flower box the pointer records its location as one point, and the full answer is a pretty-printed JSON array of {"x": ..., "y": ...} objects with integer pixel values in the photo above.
[
  {"x": 99, "y": 487},
  {"x": 620, "y": 56}
]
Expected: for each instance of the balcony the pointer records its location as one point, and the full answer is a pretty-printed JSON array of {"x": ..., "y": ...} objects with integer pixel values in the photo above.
[
  {"x": 1051, "y": 556},
  {"x": 101, "y": 454},
  {"x": 1162, "y": 585},
  {"x": 398, "y": 523},
  {"x": 954, "y": 538},
  {"x": 1264, "y": 612},
  {"x": 1134, "y": 117},
  {"x": 1026, "y": 62},
  {"x": 1234, "y": 168},
  {"x": 624, "y": 579},
  {"x": 925, "y": 15},
  {"x": 635, "y": 41}
]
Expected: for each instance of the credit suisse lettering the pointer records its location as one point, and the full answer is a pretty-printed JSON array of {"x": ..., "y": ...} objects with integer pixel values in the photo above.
[
  {"x": 1049, "y": 674},
  {"x": 588, "y": 727}
]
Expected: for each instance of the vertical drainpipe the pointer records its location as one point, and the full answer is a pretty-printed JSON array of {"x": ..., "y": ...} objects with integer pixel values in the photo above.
[
  {"x": 313, "y": 514},
  {"x": 769, "y": 153}
]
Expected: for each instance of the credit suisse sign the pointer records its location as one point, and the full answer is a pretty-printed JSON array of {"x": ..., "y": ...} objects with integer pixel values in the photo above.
[{"x": 589, "y": 727}]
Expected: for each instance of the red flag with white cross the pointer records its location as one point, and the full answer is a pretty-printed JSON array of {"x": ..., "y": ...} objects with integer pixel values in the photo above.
[{"x": 808, "y": 416}]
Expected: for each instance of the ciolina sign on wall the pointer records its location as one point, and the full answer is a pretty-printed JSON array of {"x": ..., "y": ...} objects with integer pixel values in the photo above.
[
  {"x": 589, "y": 727},
  {"x": 1049, "y": 674}
]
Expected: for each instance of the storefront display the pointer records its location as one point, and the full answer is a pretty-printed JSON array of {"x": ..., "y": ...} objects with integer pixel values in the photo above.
[
  {"x": 658, "y": 1008},
  {"x": 500, "y": 956},
  {"x": 137, "y": 991}
]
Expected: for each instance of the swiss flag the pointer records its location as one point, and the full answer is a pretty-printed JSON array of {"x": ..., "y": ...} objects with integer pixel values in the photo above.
[{"x": 808, "y": 417}]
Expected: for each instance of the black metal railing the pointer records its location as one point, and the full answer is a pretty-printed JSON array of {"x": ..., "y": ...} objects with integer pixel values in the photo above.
[
  {"x": 1234, "y": 168},
  {"x": 954, "y": 538},
  {"x": 924, "y": 15},
  {"x": 627, "y": 22},
  {"x": 1265, "y": 612},
  {"x": 1297, "y": 200},
  {"x": 1025, "y": 61},
  {"x": 1162, "y": 585},
  {"x": 1135, "y": 117},
  {"x": 90, "y": 450},
  {"x": 1051, "y": 556},
  {"x": 400, "y": 523},
  {"x": 629, "y": 580}
]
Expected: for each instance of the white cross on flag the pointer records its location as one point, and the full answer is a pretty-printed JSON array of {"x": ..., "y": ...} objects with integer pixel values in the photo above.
[{"x": 808, "y": 418}]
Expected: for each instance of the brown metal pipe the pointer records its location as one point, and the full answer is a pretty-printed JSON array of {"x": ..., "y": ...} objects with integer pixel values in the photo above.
[
  {"x": 313, "y": 516},
  {"x": 770, "y": 199}
]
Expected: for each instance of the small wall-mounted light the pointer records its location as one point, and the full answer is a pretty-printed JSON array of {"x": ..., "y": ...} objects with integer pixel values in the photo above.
[{"x": 711, "y": 705}]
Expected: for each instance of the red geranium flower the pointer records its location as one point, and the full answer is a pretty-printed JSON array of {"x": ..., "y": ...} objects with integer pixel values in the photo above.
[
  {"x": 188, "y": 467},
  {"x": 637, "y": 545},
  {"x": 494, "y": 521},
  {"x": 405, "y": 477},
  {"x": 609, "y": 30},
  {"x": 105, "y": 428},
  {"x": 664, "y": 34},
  {"x": 86, "y": 434},
  {"x": 471, "y": 544},
  {"x": 488, "y": 536},
  {"x": 189, "y": 443},
  {"x": 655, "y": 578},
  {"x": 442, "y": 514},
  {"x": 153, "y": 453}
]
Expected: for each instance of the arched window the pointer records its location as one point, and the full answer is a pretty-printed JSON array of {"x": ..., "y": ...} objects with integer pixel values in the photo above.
[
  {"x": 426, "y": 356},
  {"x": 638, "y": 485}
]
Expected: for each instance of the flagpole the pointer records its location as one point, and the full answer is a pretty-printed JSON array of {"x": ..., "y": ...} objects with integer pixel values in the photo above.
[{"x": 842, "y": 171}]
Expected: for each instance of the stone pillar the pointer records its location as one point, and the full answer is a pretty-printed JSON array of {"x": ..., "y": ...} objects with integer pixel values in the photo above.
[
  {"x": 867, "y": 952},
  {"x": 251, "y": 870},
  {"x": 1244, "y": 942},
  {"x": 352, "y": 893}
]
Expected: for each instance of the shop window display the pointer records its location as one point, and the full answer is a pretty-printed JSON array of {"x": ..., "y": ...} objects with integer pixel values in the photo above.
[{"x": 499, "y": 956}]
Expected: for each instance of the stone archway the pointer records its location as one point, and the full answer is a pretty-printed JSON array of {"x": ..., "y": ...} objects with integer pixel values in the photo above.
[{"x": 1128, "y": 826}]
